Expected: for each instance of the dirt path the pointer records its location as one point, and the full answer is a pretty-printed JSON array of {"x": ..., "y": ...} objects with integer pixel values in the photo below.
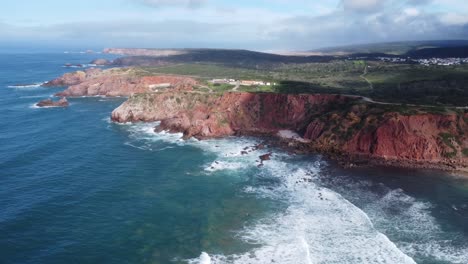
[
  {"x": 236, "y": 87},
  {"x": 363, "y": 76}
]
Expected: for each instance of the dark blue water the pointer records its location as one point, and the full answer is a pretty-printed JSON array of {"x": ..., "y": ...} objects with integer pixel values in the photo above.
[{"x": 76, "y": 188}]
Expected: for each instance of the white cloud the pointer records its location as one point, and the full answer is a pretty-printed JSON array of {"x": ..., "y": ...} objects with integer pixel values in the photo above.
[
  {"x": 454, "y": 19},
  {"x": 362, "y": 5},
  {"x": 411, "y": 12},
  {"x": 173, "y": 3},
  {"x": 254, "y": 27}
]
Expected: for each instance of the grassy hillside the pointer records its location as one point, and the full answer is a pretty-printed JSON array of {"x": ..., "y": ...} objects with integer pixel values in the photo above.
[
  {"x": 241, "y": 58},
  {"x": 403, "y": 83}
]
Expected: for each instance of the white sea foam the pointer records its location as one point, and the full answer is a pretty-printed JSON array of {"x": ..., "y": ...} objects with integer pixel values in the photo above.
[
  {"x": 319, "y": 225},
  {"x": 223, "y": 165},
  {"x": 82, "y": 66},
  {"x": 32, "y": 96},
  {"x": 420, "y": 234},
  {"x": 34, "y": 85},
  {"x": 417, "y": 233},
  {"x": 35, "y": 106},
  {"x": 205, "y": 258},
  {"x": 145, "y": 132}
]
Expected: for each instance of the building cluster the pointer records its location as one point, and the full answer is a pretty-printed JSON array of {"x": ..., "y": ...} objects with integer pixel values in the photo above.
[
  {"x": 442, "y": 62},
  {"x": 427, "y": 62},
  {"x": 224, "y": 81},
  {"x": 393, "y": 59},
  {"x": 241, "y": 82}
]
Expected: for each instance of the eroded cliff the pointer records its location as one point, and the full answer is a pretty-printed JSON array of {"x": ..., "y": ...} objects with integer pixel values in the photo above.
[{"x": 340, "y": 126}]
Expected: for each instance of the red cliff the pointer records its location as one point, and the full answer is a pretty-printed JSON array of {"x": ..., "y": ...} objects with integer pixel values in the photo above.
[
  {"x": 117, "y": 82},
  {"x": 338, "y": 125}
]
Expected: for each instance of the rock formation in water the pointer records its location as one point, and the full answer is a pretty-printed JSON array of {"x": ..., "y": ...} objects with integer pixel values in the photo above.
[{"x": 49, "y": 103}]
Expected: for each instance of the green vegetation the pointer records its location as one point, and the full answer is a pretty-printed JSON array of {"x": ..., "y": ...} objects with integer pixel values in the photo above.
[
  {"x": 220, "y": 87},
  {"x": 465, "y": 152},
  {"x": 397, "y": 83},
  {"x": 206, "y": 71},
  {"x": 395, "y": 48},
  {"x": 448, "y": 138},
  {"x": 419, "y": 84}
]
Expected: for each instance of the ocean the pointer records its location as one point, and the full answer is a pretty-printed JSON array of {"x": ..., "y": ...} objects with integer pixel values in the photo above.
[{"x": 77, "y": 188}]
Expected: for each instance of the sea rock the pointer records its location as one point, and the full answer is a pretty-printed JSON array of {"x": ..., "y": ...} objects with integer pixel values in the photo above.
[
  {"x": 49, "y": 103},
  {"x": 265, "y": 157},
  {"x": 69, "y": 65}
]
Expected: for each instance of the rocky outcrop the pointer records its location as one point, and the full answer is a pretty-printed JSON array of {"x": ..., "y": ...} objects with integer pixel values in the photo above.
[
  {"x": 73, "y": 78},
  {"x": 49, "y": 103},
  {"x": 419, "y": 139},
  {"x": 101, "y": 62},
  {"x": 205, "y": 115},
  {"x": 342, "y": 127},
  {"x": 70, "y": 65},
  {"x": 117, "y": 82}
]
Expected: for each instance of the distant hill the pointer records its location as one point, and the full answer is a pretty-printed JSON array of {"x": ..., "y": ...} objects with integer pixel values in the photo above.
[
  {"x": 152, "y": 57},
  {"x": 254, "y": 59},
  {"x": 446, "y": 52},
  {"x": 391, "y": 48}
]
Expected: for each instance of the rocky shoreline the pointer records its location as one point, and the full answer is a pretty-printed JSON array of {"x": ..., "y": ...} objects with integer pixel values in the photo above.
[{"x": 347, "y": 129}]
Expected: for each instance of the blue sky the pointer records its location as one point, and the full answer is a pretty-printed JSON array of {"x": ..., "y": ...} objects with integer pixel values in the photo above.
[{"x": 254, "y": 24}]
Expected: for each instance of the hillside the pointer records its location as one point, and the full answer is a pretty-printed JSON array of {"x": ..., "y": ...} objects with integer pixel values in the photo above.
[
  {"x": 152, "y": 57},
  {"x": 391, "y": 48}
]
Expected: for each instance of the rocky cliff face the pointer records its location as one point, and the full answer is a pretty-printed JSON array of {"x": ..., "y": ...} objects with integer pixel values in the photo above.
[
  {"x": 332, "y": 124},
  {"x": 216, "y": 115},
  {"x": 73, "y": 78},
  {"x": 117, "y": 82}
]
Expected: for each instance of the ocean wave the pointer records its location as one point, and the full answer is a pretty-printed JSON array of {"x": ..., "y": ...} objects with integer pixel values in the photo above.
[
  {"x": 321, "y": 223},
  {"x": 34, "y": 85},
  {"x": 409, "y": 220},
  {"x": 318, "y": 225},
  {"x": 34, "y": 96},
  {"x": 34, "y": 106},
  {"x": 82, "y": 66}
]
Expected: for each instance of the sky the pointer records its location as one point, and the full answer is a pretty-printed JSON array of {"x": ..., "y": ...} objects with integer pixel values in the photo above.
[{"x": 264, "y": 25}]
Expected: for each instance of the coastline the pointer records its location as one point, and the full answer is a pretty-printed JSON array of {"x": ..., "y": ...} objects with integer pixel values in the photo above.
[
  {"x": 347, "y": 161},
  {"x": 344, "y": 128}
]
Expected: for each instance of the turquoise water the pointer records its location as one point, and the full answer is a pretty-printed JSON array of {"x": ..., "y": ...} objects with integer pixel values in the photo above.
[{"x": 76, "y": 188}]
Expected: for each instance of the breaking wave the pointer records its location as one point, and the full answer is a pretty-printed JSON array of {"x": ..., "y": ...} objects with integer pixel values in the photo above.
[
  {"x": 320, "y": 222},
  {"x": 34, "y": 85}
]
